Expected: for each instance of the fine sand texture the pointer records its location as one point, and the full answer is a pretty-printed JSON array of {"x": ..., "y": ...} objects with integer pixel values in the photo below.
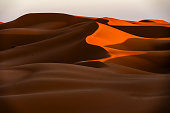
[{"x": 60, "y": 63}]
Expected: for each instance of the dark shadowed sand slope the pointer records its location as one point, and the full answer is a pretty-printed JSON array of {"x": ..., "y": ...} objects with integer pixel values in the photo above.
[{"x": 59, "y": 63}]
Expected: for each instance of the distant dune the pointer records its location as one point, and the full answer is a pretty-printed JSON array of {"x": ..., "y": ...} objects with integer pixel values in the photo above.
[{"x": 60, "y": 63}]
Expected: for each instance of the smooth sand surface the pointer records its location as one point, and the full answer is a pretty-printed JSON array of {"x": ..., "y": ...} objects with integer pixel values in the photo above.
[{"x": 59, "y": 63}]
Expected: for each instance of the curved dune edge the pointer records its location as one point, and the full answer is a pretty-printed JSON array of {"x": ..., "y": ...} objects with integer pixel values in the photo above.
[
  {"x": 104, "y": 37},
  {"x": 61, "y": 63}
]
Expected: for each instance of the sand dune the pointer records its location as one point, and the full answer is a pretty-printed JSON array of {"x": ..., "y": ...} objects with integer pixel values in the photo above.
[
  {"x": 136, "y": 44},
  {"x": 154, "y": 21},
  {"x": 64, "y": 63},
  {"x": 145, "y": 22}
]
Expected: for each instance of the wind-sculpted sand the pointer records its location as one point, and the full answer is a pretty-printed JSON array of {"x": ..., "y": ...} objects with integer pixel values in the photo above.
[{"x": 59, "y": 63}]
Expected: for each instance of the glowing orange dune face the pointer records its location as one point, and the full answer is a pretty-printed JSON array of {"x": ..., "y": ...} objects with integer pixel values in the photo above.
[
  {"x": 106, "y": 35},
  {"x": 1, "y": 22}
]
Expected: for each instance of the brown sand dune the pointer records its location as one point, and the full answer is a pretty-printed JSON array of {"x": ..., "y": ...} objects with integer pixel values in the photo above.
[
  {"x": 149, "y": 61},
  {"x": 155, "y": 21},
  {"x": 67, "y": 44},
  {"x": 136, "y": 44},
  {"x": 41, "y": 18},
  {"x": 146, "y": 31},
  {"x": 59, "y": 63},
  {"x": 22, "y": 36}
]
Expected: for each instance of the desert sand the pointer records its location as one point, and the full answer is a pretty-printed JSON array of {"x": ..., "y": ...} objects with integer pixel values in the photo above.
[{"x": 60, "y": 63}]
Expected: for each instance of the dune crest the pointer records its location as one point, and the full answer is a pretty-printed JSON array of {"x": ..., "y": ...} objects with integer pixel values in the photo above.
[
  {"x": 155, "y": 21},
  {"x": 60, "y": 63}
]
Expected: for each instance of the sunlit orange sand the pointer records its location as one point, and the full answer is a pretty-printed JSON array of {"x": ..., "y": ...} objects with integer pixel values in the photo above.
[{"x": 59, "y": 63}]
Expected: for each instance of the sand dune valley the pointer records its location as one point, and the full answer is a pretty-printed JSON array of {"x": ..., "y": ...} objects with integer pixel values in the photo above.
[{"x": 60, "y": 63}]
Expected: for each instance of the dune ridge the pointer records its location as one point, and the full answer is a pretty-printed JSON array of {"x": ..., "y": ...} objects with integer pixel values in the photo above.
[{"x": 60, "y": 63}]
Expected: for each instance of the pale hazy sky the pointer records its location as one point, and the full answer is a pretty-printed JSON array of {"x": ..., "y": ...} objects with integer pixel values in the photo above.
[{"x": 121, "y": 9}]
